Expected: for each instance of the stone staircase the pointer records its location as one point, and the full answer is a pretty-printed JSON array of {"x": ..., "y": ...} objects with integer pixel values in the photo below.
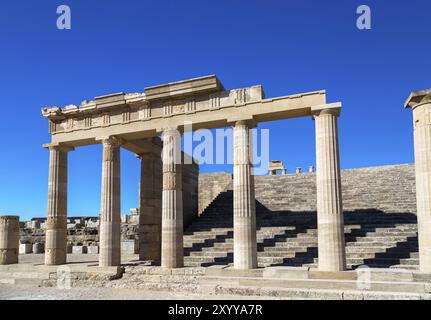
[
  {"x": 280, "y": 283},
  {"x": 285, "y": 238}
]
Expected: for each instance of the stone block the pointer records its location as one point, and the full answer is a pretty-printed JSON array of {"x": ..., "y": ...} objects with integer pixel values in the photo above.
[
  {"x": 25, "y": 248},
  {"x": 79, "y": 249},
  {"x": 129, "y": 247},
  {"x": 93, "y": 249},
  {"x": 38, "y": 248},
  {"x": 184, "y": 88}
]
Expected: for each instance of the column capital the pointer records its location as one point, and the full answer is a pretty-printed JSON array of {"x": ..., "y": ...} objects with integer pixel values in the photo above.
[
  {"x": 167, "y": 129},
  {"x": 58, "y": 147},
  {"x": 110, "y": 140},
  {"x": 330, "y": 108},
  {"x": 418, "y": 98},
  {"x": 249, "y": 123}
]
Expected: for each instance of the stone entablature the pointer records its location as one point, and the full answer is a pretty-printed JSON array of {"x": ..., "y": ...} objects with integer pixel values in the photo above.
[
  {"x": 202, "y": 101},
  {"x": 184, "y": 97}
]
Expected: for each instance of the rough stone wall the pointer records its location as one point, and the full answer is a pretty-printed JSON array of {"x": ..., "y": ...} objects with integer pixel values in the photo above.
[
  {"x": 211, "y": 185},
  {"x": 386, "y": 188}
]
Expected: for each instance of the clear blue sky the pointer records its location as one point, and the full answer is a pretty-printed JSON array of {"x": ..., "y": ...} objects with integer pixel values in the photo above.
[{"x": 287, "y": 46}]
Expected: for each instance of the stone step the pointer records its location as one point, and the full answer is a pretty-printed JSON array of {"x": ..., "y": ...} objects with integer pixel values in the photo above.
[
  {"x": 300, "y": 243},
  {"x": 319, "y": 294},
  {"x": 291, "y": 237},
  {"x": 268, "y": 238},
  {"x": 393, "y": 236},
  {"x": 23, "y": 277},
  {"x": 361, "y": 243},
  {"x": 392, "y": 282},
  {"x": 208, "y": 228},
  {"x": 277, "y": 251},
  {"x": 310, "y": 219},
  {"x": 407, "y": 267},
  {"x": 279, "y": 286},
  {"x": 218, "y": 224},
  {"x": 282, "y": 243},
  {"x": 384, "y": 286},
  {"x": 301, "y": 260},
  {"x": 380, "y": 239}
]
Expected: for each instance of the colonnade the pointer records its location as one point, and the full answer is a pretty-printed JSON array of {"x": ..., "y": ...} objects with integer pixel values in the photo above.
[{"x": 165, "y": 214}]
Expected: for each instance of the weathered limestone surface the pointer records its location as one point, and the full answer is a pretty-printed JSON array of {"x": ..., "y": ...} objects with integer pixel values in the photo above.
[
  {"x": 56, "y": 233},
  {"x": 9, "y": 239},
  {"x": 332, "y": 254},
  {"x": 244, "y": 207},
  {"x": 420, "y": 102},
  {"x": 172, "y": 201},
  {"x": 110, "y": 217}
]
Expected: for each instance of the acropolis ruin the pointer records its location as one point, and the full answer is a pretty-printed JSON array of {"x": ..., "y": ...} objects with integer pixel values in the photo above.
[{"x": 233, "y": 229}]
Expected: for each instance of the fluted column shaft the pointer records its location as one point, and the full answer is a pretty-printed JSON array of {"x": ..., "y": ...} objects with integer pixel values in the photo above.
[
  {"x": 110, "y": 216},
  {"x": 331, "y": 242},
  {"x": 56, "y": 224},
  {"x": 244, "y": 206},
  {"x": 150, "y": 207},
  {"x": 422, "y": 143},
  {"x": 172, "y": 202}
]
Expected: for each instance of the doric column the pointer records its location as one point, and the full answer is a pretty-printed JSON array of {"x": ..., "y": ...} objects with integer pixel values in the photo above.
[
  {"x": 244, "y": 206},
  {"x": 150, "y": 206},
  {"x": 420, "y": 102},
  {"x": 56, "y": 224},
  {"x": 9, "y": 239},
  {"x": 110, "y": 217},
  {"x": 172, "y": 201},
  {"x": 330, "y": 222}
]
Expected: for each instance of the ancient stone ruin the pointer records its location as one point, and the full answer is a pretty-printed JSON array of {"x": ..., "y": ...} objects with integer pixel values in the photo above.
[{"x": 322, "y": 221}]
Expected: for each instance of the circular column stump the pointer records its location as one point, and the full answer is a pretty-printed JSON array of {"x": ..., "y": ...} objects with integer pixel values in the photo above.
[{"x": 9, "y": 239}]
